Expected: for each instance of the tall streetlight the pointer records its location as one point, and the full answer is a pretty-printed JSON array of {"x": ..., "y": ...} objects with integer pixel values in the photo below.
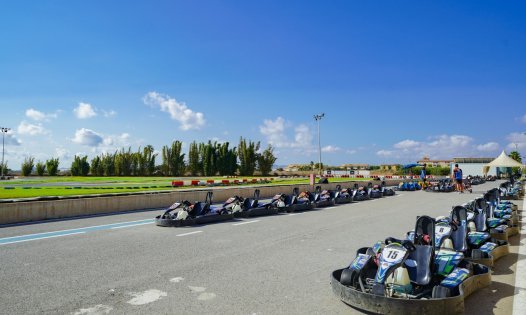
[
  {"x": 4, "y": 131},
  {"x": 318, "y": 118}
]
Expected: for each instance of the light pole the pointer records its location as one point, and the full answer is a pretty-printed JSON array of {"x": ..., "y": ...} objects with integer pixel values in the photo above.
[
  {"x": 4, "y": 131},
  {"x": 318, "y": 118}
]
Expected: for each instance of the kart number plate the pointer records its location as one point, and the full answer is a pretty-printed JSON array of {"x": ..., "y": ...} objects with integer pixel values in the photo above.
[{"x": 392, "y": 255}]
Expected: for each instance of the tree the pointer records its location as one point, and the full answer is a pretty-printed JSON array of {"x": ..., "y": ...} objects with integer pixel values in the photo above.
[
  {"x": 96, "y": 166},
  {"x": 28, "y": 165},
  {"x": 145, "y": 161},
  {"x": 108, "y": 164},
  {"x": 52, "y": 166},
  {"x": 3, "y": 168},
  {"x": 173, "y": 159},
  {"x": 247, "y": 157},
  {"x": 266, "y": 160},
  {"x": 194, "y": 167},
  {"x": 226, "y": 159},
  {"x": 80, "y": 166},
  {"x": 40, "y": 168},
  {"x": 123, "y": 162},
  {"x": 517, "y": 157}
]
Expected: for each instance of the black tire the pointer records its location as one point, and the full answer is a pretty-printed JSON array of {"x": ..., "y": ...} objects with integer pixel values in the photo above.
[
  {"x": 440, "y": 292},
  {"x": 348, "y": 277},
  {"x": 477, "y": 254}
]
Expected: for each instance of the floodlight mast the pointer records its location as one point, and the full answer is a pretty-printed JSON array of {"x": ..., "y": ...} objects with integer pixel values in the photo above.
[
  {"x": 318, "y": 118},
  {"x": 4, "y": 131}
]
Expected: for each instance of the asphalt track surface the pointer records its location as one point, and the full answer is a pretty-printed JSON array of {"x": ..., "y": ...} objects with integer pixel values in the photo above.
[{"x": 124, "y": 264}]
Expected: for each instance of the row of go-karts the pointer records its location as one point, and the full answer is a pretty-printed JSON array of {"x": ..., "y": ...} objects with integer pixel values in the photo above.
[
  {"x": 435, "y": 266},
  {"x": 185, "y": 213}
]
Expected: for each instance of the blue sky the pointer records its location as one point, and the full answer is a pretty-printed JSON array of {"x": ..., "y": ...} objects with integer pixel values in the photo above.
[{"x": 396, "y": 79}]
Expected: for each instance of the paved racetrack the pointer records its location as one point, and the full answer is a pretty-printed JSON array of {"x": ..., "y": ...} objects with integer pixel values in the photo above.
[{"x": 268, "y": 265}]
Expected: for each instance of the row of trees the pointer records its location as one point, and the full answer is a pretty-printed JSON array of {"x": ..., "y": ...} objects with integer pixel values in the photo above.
[{"x": 206, "y": 159}]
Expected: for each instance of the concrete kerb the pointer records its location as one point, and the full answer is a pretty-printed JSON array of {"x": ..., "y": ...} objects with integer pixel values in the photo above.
[
  {"x": 27, "y": 211},
  {"x": 519, "y": 307}
]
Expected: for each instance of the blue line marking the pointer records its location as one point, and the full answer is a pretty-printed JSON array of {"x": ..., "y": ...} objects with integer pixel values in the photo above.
[{"x": 33, "y": 237}]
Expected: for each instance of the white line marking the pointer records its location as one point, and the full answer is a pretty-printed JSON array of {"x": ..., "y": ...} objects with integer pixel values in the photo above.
[
  {"x": 131, "y": 225},
  {"x": 246, "y": 222},
  {"x": 41, "y": 238},
  {"x": 519, "y": 307},
  {"x": 330, "y": 207},
  {"x": 373, "y": 200},
  {"x": 190, "y": 233},
  {"x": 85, "y": 227},
  {"x": 398, "y": 195},
  {"x": 295, "y": 213}
]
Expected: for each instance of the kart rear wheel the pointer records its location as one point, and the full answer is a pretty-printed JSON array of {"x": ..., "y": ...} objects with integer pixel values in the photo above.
[
  {"x": 440, "y": 292},
  {"x": 477, "y": 254}
]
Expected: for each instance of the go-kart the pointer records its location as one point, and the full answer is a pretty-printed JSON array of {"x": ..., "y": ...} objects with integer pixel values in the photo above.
[
  {"x": 302, "y": 201},
  {"x": 374, "y": 191},
  {"x": 251, "y": 207},
  {"x": 342, "y": 195},
  {"x": 442, "y": 185},
  {"x": 283, "y": 202},
  {"x": 386, "y": 191},
  {"x": 360, "y": 193},
  {"x": 409, "y": 186},
  {"x": 500, "y": 228},
  {"x": 399, "y": 277},
  {"x": 323, "y": 198},
  {"x": 477, "y": 246},
  {"x": 185, "y": 213}
]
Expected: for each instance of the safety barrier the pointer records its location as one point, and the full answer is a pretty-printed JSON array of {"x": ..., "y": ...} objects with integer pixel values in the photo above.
[{"x": 52, "y": 207}]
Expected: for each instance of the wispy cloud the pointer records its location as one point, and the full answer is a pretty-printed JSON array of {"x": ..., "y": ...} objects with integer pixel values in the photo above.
[
  {"x": 25, "y": 128},
  {"x": 187, "y": 118},
  {"x": 331, "y": 149},
  {"x": 39, "y": 116},
  {"x": 488, "y": 147},
  {"x": 276, "y": 133}
]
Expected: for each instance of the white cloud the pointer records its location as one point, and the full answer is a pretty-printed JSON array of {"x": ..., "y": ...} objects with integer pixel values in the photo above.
[
  {"x": 517, "y": 140},
  {"x": 87, "y": 137},
  {"x": 437, "y": 147},
  {"x": 25, "y": 128},
  {"x": 351, "y": 151},
  {"x": 384, "y": 153},
  {"x": 488, "y": 147},
  {"x": 84, "y": 111},
  {"x": 109, "y": 113},
  {"x": 38, "y": 115},
  {"x": 274, "y": 131},
  {"x": 331, "y": 149},
  {"x": 187, "y": 118},
  {"x": 303, "y": 137},
  {"x": 523, "y": 118},
  {"x": 117, "y": 140},
  {"x": 406, "y": 144}
]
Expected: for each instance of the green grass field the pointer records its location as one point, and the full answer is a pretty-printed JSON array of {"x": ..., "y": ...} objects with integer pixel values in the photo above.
[{"x": 30, "y": 187}]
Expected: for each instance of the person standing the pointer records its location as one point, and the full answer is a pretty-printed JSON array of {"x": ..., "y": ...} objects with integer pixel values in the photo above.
[
  {"x": 423, "y": 176},
  {"x": 457, "y": 175}
]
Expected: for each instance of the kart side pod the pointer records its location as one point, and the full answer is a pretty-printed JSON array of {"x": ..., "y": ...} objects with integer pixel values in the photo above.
[{"x": 391, "y": 305}]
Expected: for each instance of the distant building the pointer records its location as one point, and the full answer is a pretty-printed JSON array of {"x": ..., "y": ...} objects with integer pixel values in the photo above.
[
  {"x": 355, "y": 166},
  {"x": 473, "y": 166},
  {"x": 390, "y": 167},
  {"x": 434, "y": 163}
]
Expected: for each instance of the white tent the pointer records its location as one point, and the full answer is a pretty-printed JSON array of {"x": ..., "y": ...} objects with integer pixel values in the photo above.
[{"x": 503, "y": 160}]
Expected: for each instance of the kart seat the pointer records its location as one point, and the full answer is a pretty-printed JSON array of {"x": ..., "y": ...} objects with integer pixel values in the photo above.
[
  {"x": 420, "y": 272},
  {"x": 197, "y": 209},
  {"x": 459, "y": 238}
]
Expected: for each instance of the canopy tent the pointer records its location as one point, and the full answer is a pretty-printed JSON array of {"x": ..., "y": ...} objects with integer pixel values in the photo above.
[{"x": 503, "y": 160}]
